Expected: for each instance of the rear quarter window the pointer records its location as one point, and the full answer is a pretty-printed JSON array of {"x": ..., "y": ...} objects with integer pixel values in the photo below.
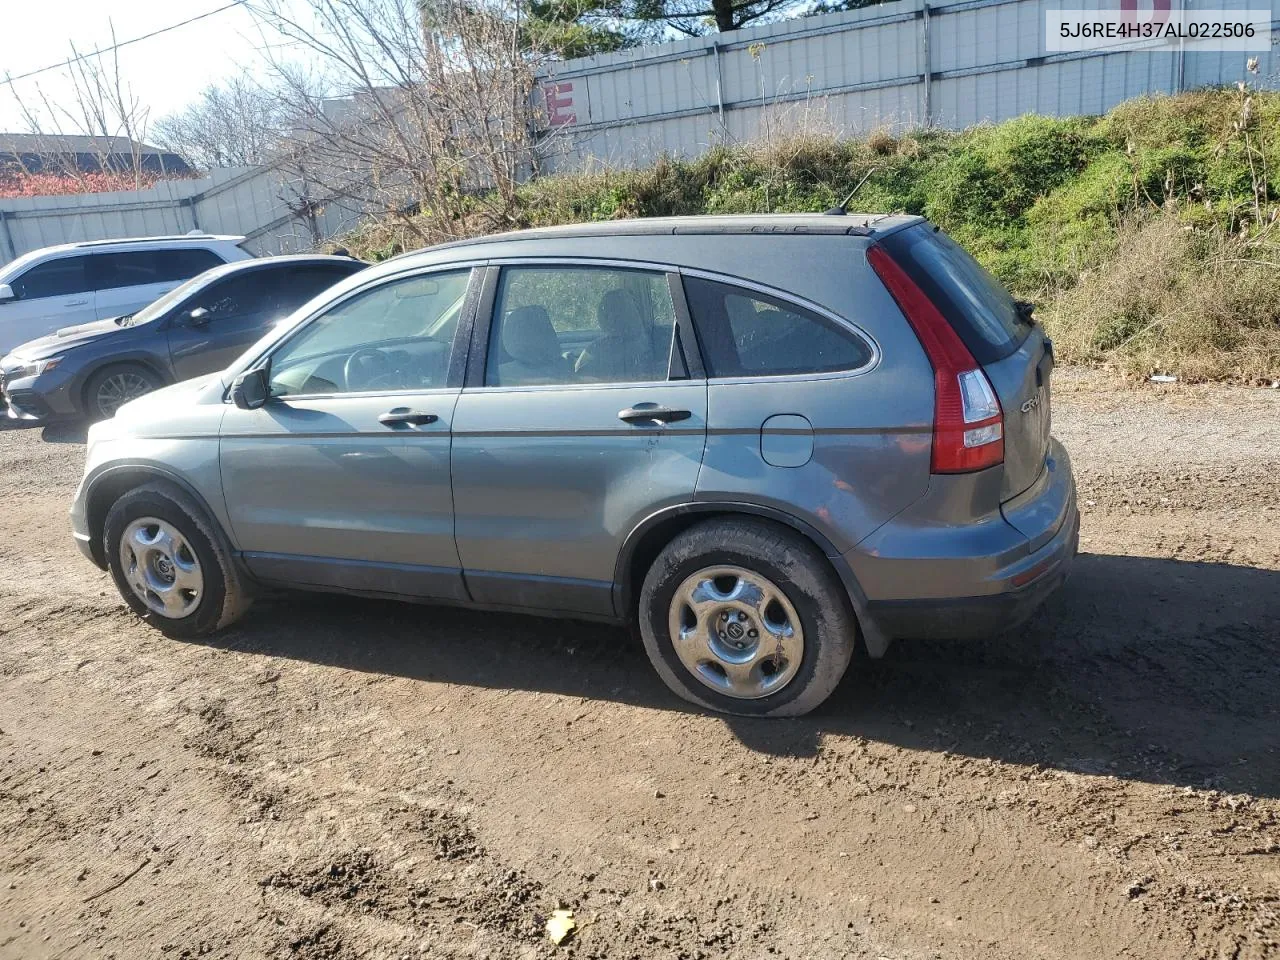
[
  {"x": 975, "y": 303},
  {"x": 744, "y": 333}
]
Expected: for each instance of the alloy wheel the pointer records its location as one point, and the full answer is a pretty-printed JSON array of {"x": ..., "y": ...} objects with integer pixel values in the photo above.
[
  {"x": 118, "y": 389},
  {"x": 161, "y": 568},
  {"x": 736, "y": 632}
]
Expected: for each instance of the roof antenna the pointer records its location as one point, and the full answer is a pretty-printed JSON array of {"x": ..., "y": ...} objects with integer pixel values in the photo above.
[{"x": 843, "y": 207}]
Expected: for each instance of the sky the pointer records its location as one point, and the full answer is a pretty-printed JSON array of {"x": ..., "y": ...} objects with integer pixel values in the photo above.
[{"x": 165, "y": 72}]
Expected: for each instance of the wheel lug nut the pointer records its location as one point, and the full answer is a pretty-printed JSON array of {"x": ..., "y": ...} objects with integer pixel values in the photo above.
[{"x": 753, "y": 633}]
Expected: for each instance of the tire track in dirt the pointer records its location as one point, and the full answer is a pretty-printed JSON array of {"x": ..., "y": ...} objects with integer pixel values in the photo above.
[{"x": 335, "y": 779}]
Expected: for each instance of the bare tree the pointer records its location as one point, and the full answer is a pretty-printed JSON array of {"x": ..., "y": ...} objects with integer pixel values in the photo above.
[
  {"x": 433, "y": 121},
  {"x": 101, "y": 108},
  {"x": 238, "y": 123}
]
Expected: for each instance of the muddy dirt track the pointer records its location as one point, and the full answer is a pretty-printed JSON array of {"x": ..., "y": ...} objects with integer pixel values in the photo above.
[{"x": 341, "y": 779}]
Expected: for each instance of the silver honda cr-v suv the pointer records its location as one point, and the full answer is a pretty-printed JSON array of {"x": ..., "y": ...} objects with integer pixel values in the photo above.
[{"x": 759, "y": 438}]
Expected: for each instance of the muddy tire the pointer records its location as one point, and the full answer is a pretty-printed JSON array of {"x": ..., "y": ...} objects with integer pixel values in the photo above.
[
  {"x": 170, "y": 564},
  {"x": 746, "y": 617}
]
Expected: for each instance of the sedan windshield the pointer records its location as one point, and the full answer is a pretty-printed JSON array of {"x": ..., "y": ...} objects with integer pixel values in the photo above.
[{"x": 158, "y": 308}]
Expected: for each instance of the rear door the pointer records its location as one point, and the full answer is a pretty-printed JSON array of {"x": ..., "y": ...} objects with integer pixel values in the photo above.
[
  {"x": 50, "y": 295},
  {"x": 128, "y": 281},
  {"x": 579, "y": 420},
  {"x": 1013, "y": 351}
]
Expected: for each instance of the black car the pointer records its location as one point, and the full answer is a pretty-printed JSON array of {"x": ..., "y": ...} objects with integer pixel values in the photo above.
[{"x": 200, "y": 327}]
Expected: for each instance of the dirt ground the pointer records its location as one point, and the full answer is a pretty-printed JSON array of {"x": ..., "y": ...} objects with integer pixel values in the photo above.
[{"x": 341, "y": 779}]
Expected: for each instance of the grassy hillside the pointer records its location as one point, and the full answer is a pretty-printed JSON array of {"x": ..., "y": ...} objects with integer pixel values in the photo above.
[{"x": 1150, "y": 237}]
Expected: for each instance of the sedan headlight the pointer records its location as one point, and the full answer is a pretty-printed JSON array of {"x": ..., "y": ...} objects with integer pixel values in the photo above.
[{"x": 35, "y": 368}]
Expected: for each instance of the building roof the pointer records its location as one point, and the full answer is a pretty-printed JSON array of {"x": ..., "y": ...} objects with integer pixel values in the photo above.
[{"x": 69, "y": 143}]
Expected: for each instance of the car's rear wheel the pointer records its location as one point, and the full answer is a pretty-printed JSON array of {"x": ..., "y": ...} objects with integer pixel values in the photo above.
[
  {"x": 169, "y": 564},
  {"x": 745, "y": 616},
  {"x": 112, "y": 387}
]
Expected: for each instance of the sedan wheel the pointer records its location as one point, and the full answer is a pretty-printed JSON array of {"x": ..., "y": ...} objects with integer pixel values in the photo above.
[{"x": 117, "y": 389}]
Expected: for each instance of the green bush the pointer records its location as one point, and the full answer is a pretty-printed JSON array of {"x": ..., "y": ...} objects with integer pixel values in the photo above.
[{"x": 1114, "y": 224}]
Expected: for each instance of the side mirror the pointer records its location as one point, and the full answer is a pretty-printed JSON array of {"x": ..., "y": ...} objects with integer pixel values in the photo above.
[
  {"x": 197, "y": 317},
  {"x": 6, "y": 293},
  {"x": 251, "y": 389}
]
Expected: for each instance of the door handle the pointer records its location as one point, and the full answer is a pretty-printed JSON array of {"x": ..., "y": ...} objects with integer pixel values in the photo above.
[
  {"x": 75, "y": 303},
  {"x": 404, "y": 416},
  {"x": 652, "y": 413}
]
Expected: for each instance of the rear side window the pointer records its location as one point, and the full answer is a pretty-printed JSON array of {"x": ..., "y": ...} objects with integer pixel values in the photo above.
[
  {"x": 53, "y": 278},
  {"x": 976, "y": 305},
  {"x": 142, "y": 267},
  {"x": 580, "y": 324},
  {"x": 748, "y": 334}
]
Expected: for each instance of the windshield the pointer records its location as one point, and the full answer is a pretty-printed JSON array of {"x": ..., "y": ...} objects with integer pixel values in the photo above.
[{"x": 158, "y": 308}]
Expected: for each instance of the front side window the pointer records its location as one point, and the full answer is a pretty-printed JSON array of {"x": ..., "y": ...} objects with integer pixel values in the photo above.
[
  {"x": 398, "y": 336},
  {"x": 237, "y": 295},
  {"x": 53, "y": 278},
  {"x": 576, "y": 325},
  {"x": 748, "y": 334}
]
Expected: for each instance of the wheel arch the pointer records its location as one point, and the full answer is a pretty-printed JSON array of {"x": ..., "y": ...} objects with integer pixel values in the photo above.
[
  {"x": 111, "y": 483},
  {"x": 652, "y": 534}
]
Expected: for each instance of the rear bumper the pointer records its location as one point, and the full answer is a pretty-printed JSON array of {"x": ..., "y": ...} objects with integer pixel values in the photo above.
[
  {"x": 969, "y": 618},
  {"x": 929, "y": 578}
]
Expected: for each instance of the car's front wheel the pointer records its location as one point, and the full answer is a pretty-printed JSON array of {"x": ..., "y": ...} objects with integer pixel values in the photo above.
[
  {"x": 169, "y": 565},
  {"x": 745, "y": 616},
  {"x": 112, "y": 387}
]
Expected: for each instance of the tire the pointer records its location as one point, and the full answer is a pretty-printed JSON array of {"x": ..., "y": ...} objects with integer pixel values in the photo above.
[
  {"x": 783, "y": 681},
  {"x": 129, "y": 380},
  {"x": 147, "y": 514}
]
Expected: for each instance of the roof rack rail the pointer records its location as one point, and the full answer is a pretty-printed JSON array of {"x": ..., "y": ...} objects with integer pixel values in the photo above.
[{"x": 173, "y": 238}]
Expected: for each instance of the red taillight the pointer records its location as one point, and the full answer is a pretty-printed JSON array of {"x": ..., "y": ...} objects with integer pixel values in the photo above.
[{"x": 968, "y": 424}]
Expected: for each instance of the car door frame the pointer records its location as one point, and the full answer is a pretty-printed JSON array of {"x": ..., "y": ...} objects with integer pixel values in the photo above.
[
  {"x": 361, "y": 577},
  {"x": 553, "y": 595}
]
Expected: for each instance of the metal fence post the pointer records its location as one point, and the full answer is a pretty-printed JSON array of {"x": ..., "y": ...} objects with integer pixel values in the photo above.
[
  {"x": 724, "y": 129},
  {"x": 928, "y": 66},
  {"x": 7, "y": 235}
]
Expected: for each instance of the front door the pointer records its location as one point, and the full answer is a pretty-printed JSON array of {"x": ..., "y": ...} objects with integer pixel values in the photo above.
[
  {"x": 236, "y": 312},
  {"x": 342, "y": 479},
  {"x": 49, "y": 296},
  {"x": 582, "y": 420}
]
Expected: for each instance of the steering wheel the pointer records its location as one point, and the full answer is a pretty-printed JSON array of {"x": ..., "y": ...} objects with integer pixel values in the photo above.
[{"x": 364, "y": 367}]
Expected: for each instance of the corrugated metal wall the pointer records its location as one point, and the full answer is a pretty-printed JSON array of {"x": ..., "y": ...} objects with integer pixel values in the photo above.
[
  {"x": 261, "y": 204},
  {"x": 946, "y": 63}
]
